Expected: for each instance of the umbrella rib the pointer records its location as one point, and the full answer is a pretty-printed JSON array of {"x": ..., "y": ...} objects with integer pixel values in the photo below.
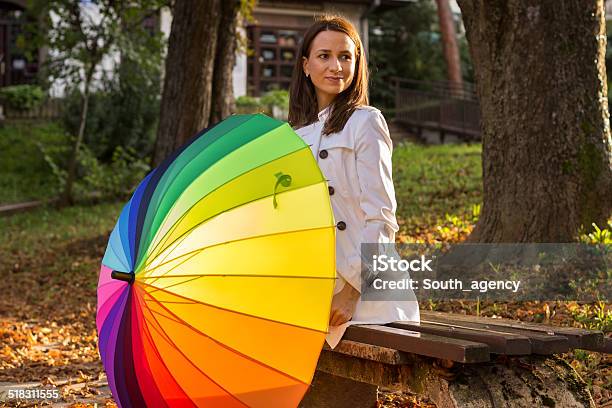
[
  {"x": 196, "y": 251},
  {"x": 116, "y": 255},
  {"x": 261, "y": 363},
  {"x": 125, "y": 212},
  {"x": 156, "y": 288},
  {"x": 166, "y": 236},
  {"x": 161, "y": 332},
  {"x": 177, "y": 303},
  {"x": 188, "y": 257},
  {"x": 167, "y": 317},
  {"x": 229, "y": 310},
  {"x": 109, "y": 296},
  {"x": 108, "y": 283},
  {"x": 168, "y": 253},
  {"x": 149, "y": 338}
]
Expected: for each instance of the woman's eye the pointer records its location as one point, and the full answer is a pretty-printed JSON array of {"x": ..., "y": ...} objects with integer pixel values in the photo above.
[
  {"x": 324, "y": 56},
  {"x": 346, "y": 57}
]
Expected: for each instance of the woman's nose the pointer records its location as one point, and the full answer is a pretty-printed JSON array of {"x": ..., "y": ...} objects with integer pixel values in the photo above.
[{"x": 335, "y": 64}]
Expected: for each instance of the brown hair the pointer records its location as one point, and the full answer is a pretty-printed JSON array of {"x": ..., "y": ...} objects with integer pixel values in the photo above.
[{"x": 302, "y": 97}]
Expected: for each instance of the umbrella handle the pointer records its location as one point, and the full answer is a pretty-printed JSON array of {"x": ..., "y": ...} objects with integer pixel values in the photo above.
[
  {"x": 124, "y": 276},
  {"x": 282, "y": 179}
]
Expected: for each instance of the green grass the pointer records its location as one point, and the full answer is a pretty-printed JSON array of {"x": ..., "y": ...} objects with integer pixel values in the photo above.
[
  {"x": 432, "y": 181},
  {"x": 597, "y": 316},
  {"x": 29, "y": 233},
  {"x": 24, "y": 173}
]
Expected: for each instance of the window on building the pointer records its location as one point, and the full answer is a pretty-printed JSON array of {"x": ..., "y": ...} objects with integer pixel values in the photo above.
[{"x": 271, "y": 60}]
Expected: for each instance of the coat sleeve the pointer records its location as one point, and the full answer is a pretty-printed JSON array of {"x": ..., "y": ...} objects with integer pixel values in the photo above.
[{"x": 373, "y": 149}]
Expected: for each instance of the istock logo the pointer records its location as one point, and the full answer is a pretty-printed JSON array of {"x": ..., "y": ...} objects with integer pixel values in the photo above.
[{"x": 384, "y": 263}]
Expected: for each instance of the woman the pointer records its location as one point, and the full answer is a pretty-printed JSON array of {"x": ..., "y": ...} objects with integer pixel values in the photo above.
[{"x": 329, "y": 109}]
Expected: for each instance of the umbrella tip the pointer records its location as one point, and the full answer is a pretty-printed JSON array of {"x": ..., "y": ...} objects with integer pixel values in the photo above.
[{"x": 124, "y": 276}]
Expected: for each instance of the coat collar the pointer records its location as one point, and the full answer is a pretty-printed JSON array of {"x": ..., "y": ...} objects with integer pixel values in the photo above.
[{"x": 324, "y": 113}]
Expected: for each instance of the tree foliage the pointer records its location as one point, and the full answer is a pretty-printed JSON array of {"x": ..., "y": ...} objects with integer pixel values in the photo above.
[
  {"x": 21, "y": 97},
  {"x": 406, "y": 43},
  {"x": 82, "y": 37}
]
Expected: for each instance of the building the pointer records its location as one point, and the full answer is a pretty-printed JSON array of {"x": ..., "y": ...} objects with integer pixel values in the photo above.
[
  {"x": 273, "y": 40},
  {"x": 275, "y": 36},
  {"x": 15, "y": 69}
]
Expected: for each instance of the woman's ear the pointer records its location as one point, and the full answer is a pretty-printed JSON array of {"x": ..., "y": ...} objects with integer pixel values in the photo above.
[{"x": 305, "y": 66}]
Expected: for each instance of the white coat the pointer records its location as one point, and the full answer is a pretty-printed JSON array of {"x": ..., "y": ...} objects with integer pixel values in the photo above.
[{"x": 357, "y": 165}]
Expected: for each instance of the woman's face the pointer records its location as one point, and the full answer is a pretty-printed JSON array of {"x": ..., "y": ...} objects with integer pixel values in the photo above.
[{"x": 330, "y": 65}]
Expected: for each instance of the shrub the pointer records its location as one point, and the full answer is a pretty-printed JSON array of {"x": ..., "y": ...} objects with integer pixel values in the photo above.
[
  {"x": 118, "y": 178},
  {"x": 115, "y": 179},
  {"x": 22, "y": 97},
  {"x": 124, "y": 110},
  {"x": 278, "y": 98},
  {"x": 248, "y": 104},
  {"x": 118, "y": 116},
  {"x": 598, "y": 235},
  {"x": 592, "y": 317},
  {"x": 274, "y": 102}
]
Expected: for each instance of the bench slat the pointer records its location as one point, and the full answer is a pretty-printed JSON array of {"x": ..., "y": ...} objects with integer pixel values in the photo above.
[
  {"x": 541, "y": 342},
  {"x": 462, "y": 351},
  {"x": 577, "y": 338},
  {"x": 606, "y": 346},
  {"x": 370, "y": 352},
  {"x": 500, "y": 343}
]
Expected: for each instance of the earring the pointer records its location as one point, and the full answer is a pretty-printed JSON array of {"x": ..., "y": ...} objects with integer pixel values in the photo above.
[{"x": 307, "y": 75}]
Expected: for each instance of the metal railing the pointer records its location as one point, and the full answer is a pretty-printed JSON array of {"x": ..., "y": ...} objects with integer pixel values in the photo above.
[{"x": 442, "y": 106}]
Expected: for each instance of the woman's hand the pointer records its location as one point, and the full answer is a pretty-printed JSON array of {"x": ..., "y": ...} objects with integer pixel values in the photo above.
[{"x": 343, "y": 305}]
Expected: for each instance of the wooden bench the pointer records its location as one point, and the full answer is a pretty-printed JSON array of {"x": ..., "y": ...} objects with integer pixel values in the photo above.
[{"x": 455, "y": 361}]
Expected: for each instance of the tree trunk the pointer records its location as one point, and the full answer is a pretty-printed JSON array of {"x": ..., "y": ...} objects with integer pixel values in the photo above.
[
  {"x": 449, "y": 43},
  {"x": 223, "y": 92},
  {"x": 187, "y": 94},
  {"x": 67, "y": 196},
  {"x": 541, "y": 81}
]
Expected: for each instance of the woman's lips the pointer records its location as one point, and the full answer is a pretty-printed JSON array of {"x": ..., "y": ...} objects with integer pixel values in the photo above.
[{"x": 334, "y": 79}]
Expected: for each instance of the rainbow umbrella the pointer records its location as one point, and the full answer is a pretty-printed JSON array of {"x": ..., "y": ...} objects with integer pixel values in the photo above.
[{"x": 216, "y": 284}]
